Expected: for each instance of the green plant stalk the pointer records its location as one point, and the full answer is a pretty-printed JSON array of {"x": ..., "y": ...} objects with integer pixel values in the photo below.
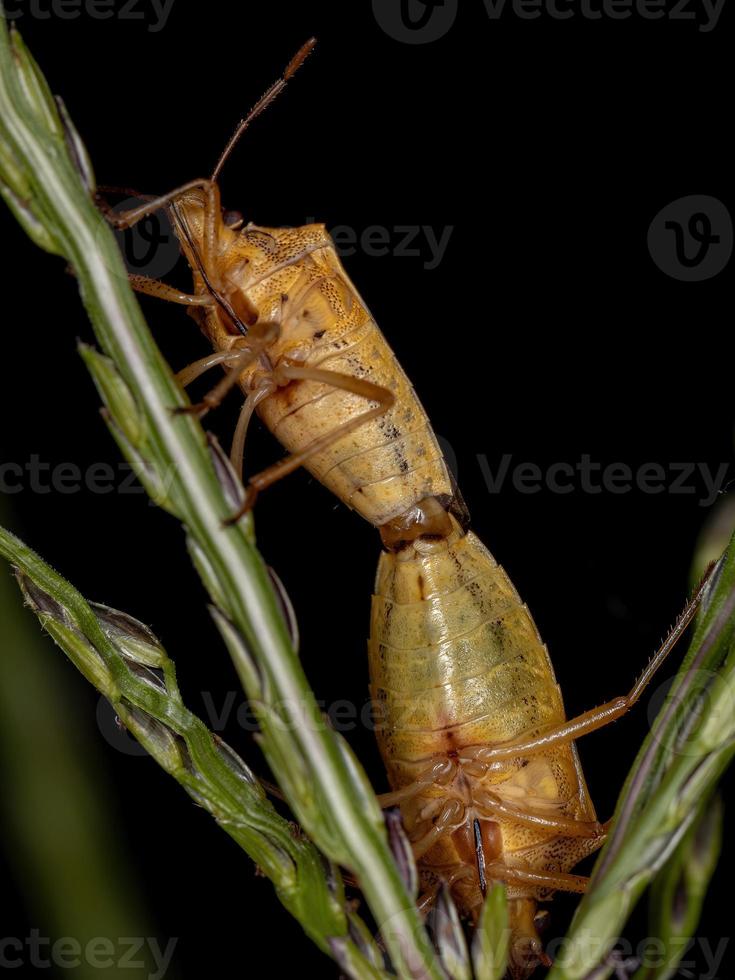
[
  {"x": 59, "y": 821},
  {"x": 678, "y": 892},
  {"x": 113, "y": 651},
  {"x": 680, "y": 761},
  {"x": 491, "y": 941},
  {"x": 44, "y": 189}
]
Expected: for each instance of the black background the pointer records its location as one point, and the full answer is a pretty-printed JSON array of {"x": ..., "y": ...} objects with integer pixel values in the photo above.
[{"x": 546, "y": 332}]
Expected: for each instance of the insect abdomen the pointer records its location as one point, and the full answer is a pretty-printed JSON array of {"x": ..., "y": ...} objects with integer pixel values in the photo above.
[
  {"x": 456, "y": 668},
  {"x": 455, "y": 657},
  {"x": 387, "y": 465}
]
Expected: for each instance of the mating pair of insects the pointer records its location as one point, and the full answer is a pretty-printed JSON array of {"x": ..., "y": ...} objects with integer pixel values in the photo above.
[{"x": 479, "y": 754}]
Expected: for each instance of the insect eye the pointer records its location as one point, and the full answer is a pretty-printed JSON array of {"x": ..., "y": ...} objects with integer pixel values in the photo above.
[{"x": 232, "y": 218}]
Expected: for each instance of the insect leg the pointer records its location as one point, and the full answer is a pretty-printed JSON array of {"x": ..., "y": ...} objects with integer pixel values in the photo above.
[
  {"x": 369, "y": 391},
  {"x": 451, "y": 816},
  {"x": 126, "y": 219},
  {"x": 556, "y": 880},
  {"x": 161, "y": 290},
  {"x": 238, "y": 440},
  {"x": 426, "y": 900},
  {"x": 401, "y": 795},
  {"x": 212, "y": 216},
  {"x": 197, "y": 368},
  {"x": 439, "y": 772},
  {"x": 598, "y": 717},
  {"x": 260, "y": 337},
  {"x": 492, "y": 806}
]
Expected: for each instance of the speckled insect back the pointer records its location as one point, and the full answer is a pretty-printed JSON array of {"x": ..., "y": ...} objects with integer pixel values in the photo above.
[
  {"x": 456, "y": 666},
  {"x": 385, "y": 468}
]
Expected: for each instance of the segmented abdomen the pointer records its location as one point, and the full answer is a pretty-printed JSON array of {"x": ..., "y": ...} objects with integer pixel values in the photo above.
[
  {"x": 455, "y": 656},
  {"x": 388, "y": 464},
  {"x": 456, "y": 666}
]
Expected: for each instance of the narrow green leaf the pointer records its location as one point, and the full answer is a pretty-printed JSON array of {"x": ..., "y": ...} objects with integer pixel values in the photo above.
[
  {"x": 38, "y": 98},
  {"x": 26, "y": 217},
  {"x": 116, "y": 395},
  {"x": 678, "y": 892},
  {"x": 490, "y": 942}
]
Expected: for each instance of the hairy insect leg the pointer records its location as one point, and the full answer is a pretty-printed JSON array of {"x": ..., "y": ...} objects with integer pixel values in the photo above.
[
  {"x": 170, "y": 294},
  {"x": 369, "y": 391},
  {"x": 126, "y": 219},
  {"x": 598, "y": 717},
  {"x": 162, "y": 290},
  {"x": 556, "y": 880}
]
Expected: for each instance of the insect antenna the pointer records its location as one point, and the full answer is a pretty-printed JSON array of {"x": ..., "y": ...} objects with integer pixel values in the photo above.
[
  {"x": 273, "y": 92},
  {"x": 124, "y": 191},
  {"x": 218, "y": 296},
  {"x": 102, "y": 190}
]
